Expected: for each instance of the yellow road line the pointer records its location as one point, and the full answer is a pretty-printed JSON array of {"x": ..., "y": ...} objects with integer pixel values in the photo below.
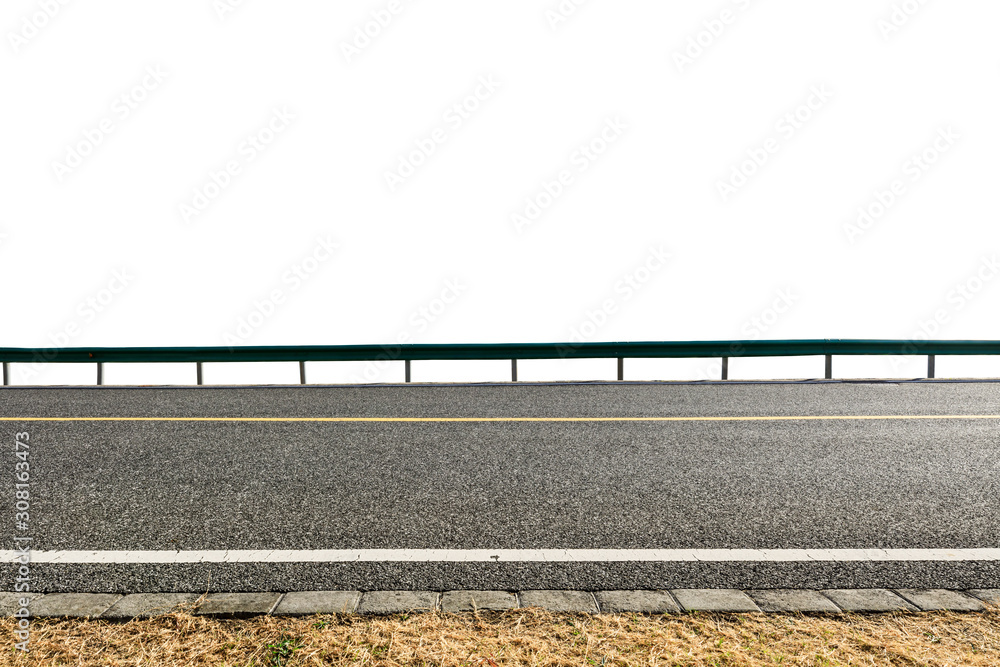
[{"x": 496, "y": 419}]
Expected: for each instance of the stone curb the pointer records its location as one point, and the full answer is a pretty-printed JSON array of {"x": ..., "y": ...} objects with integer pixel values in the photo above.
[
  {"x": 238, "y": 605},
  {"x": 243, "y": 605}
]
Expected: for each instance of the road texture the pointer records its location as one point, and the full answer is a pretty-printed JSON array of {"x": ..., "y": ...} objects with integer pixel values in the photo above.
[{"x": 281, "y": 477}]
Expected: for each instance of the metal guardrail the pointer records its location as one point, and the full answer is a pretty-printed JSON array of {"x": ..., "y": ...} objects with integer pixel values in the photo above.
[{"x": 724, "y": 349}]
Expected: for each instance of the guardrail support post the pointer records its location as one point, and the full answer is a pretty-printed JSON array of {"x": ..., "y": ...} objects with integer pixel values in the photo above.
[
  {"x": 407, "y": 366},
  {"x": 621, "y": 369},
  {"x": 829, "y": 367},
  {"x": 6, "y": 374},
  {"x": 930, "y": 366},
  {"x": 513, "y": 370},
  {"x": 100, "y": 373},
  {"x": 302, "y": 372},
  {"x": 725, "y": 368},
  {"x": 200, "y": 378}
]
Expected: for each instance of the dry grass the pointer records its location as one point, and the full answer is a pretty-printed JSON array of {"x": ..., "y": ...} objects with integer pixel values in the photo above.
[{"x": 521, "y": 637}]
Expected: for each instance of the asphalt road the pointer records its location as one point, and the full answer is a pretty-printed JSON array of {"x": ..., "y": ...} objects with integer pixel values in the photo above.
[{"x": 123, "y": 484}]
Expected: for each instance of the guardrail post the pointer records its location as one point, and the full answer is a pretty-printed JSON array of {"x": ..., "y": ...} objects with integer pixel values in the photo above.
[
  {"x": 513, "y": 370},
  {"x": 302, "y": 372},
  {"x": 407, "y": 362},
  {"x": 200, "y": 378},
  {"x": 100, "y": 373},
  {"x": 930, "y": 366},
  {"x": 621, "y": 369},
  {"x": 725, "y": 368},
  {"x": 829, "y": 367},
  {"x": 6, "y": 374}
]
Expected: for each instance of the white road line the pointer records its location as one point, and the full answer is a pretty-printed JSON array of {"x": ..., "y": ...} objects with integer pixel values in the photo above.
[{"x": 503, "y": 556}]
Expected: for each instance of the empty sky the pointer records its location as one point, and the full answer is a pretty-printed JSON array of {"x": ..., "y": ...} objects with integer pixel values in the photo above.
[{"x": 210, "y": 172}]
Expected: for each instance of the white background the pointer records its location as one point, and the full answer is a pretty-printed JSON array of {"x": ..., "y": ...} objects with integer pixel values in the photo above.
[{"x": 896, "y": 74}]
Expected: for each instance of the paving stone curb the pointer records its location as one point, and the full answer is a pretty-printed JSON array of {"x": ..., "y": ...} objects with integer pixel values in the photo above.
[
  {"x": 645, "y": 602},
  {"x": 456, "y": 601},
  {"x": 306, "y": 603},
  {"x": 577, "y": 601},
  {"x": 243, "y": 605},
  {"x": 238, "y": 605},
  {"x": 868, "y": 600},
  {"x": 790, "y": 600},
  {"x": 145, "y": 605},
  {"x": 714, "y": 599},
  {"x": 72, "y": 605},
  {"x": 939, "y": 599},
  {"x": 397, "y": 602}
]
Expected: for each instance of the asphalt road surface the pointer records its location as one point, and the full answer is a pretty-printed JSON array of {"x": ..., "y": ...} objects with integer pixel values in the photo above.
[{"x": 584, "y": 486}]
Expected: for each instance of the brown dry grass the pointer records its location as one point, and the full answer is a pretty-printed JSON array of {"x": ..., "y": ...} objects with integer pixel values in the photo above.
[{"x": 521, "y": 637}]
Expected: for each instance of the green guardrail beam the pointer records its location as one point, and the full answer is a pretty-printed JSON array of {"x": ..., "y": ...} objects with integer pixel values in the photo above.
[{"x": 485, "y": 351}]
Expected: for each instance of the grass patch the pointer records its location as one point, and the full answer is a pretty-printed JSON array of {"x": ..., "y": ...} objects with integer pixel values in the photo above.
[{"x": 519, "y": 637}]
